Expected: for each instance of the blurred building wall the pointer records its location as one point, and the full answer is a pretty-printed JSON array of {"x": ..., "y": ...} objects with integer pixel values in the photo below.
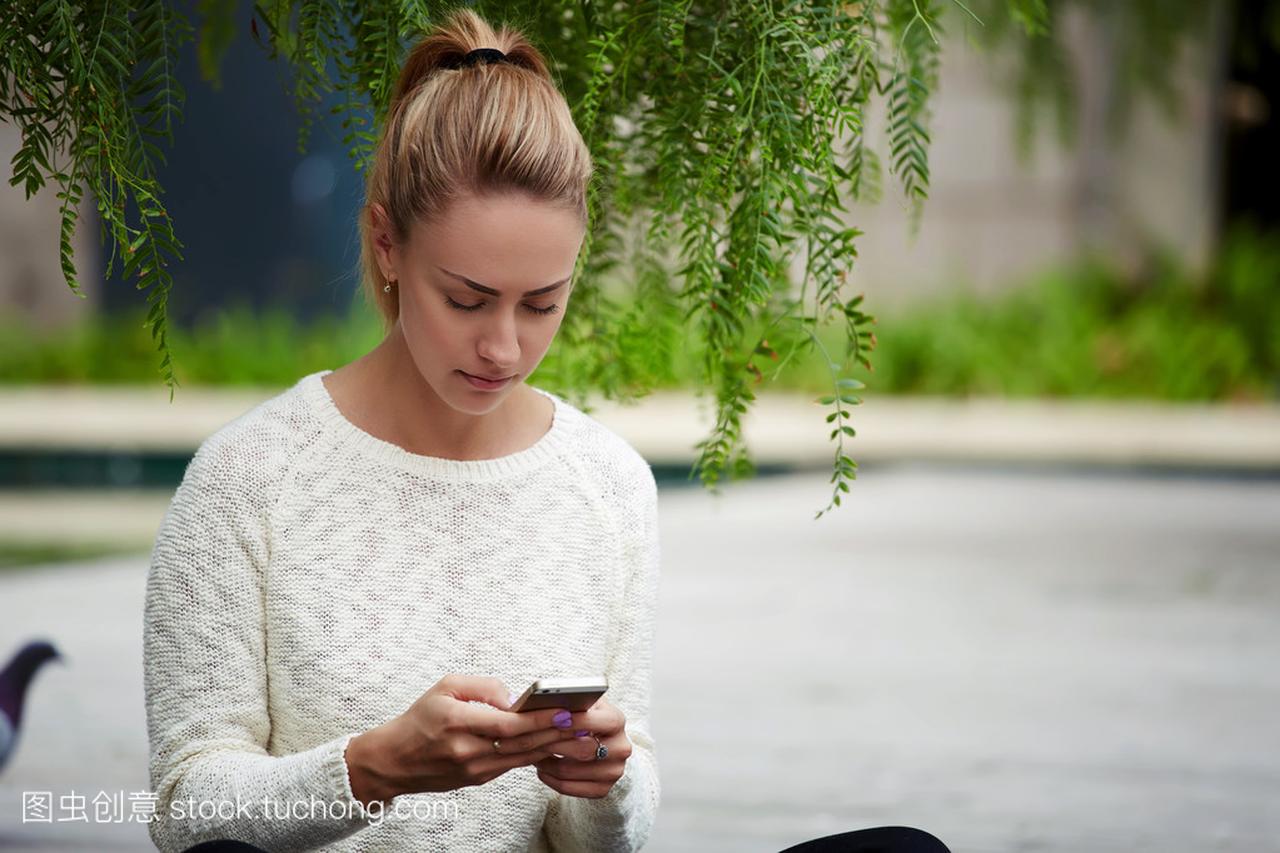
[
  {"x": 990, "y": 220},
  {"x": 33, "y": 289}
]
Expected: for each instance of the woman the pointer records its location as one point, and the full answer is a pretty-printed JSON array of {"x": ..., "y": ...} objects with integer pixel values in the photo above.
[{"x": 355, "y": 578}]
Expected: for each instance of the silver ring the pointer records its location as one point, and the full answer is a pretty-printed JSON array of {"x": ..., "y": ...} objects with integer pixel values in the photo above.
[
  {"x": 601, "y": 749},
  {"x": 495, "y": 746}
]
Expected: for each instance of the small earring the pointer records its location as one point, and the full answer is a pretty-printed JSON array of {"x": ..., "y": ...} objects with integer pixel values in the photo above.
[{"x": 386, "y": 289}]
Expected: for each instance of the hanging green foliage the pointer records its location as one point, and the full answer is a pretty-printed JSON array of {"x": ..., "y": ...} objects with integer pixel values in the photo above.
[{"x": 727, "y": 138}]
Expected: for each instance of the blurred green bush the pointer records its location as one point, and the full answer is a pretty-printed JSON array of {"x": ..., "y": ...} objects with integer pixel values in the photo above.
[
  {"x": 234, "y": 346},
  {"x": 1086, "y": 331}
]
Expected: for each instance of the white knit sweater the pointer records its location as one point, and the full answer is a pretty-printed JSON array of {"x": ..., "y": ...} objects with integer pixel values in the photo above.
[{"x": 310, "y": 581}]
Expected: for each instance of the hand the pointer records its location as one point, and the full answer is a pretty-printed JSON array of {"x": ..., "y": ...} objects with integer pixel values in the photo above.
[
  {"x": 444, "y": 741},
  {"x": 579, "y": 773}
]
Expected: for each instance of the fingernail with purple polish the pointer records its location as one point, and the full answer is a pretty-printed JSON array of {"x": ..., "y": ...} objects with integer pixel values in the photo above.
[
  {"x": 563, "y": 719},
  {"x": 511, "y": 698},
  {"x": 581, "y": 733}
]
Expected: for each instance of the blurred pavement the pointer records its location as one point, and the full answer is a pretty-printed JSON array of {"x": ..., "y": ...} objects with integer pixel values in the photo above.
[{"x": 1014, "y": 661}]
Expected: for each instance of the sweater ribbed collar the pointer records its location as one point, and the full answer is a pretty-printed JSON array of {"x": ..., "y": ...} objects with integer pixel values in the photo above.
[{"x": 546, "y": 448}]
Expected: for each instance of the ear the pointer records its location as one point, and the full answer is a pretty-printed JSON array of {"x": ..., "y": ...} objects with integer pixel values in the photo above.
[{"x": 385, "y": 249}]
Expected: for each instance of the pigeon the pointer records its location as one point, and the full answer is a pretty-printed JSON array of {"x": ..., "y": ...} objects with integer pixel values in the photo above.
[{"x": 14, "y": 680}]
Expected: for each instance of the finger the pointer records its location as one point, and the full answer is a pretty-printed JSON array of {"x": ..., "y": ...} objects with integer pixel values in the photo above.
[
  {"x": 584, "y": 748},
  {"x": 578, "y": 748},
  {"x": 568, "y": 769},
  {"x": 574, "y": 788},
  {"x": 541, "y": 739},
  {"x": 493, "y": 765},
  {"x": 490, "y": 723},
  {"x": 477, "y": 688},
  {"x": 601, "y": 718}
]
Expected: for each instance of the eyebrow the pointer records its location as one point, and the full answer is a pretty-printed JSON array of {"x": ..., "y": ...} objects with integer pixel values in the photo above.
[{"x": 489, "y": 290}]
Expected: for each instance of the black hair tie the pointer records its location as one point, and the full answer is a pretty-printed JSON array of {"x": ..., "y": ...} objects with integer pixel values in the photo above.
[{"x": 480, "y": 54}]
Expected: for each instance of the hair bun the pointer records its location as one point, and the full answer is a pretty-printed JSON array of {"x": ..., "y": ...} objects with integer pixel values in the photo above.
[
  {"x": 480, "y": 54},
  {"x": 461, "y": 35}
]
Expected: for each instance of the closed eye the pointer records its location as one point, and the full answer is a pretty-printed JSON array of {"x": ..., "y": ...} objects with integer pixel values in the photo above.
[{"x": 550, "y": 309}]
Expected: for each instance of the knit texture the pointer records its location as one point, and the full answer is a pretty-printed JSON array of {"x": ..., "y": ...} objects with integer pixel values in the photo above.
[{"x": 310, "y": 581}]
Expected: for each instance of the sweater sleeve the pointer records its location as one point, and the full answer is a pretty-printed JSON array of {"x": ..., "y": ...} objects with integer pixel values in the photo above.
[
  {"x": 623, "y": 819},
  {"x": 205, "y": 673}
]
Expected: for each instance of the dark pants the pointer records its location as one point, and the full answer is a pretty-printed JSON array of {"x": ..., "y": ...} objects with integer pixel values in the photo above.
[{"x": 882, "y": 839}]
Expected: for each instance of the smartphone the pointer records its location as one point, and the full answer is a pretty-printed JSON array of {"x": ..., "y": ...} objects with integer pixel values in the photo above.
[{"x": 576, "y": 694}]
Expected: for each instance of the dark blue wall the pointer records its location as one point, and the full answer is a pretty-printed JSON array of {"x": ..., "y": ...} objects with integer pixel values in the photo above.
[{"x": 261, "y": 223}]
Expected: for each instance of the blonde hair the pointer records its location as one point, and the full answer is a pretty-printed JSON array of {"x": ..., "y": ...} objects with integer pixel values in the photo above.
[{"x": 471, "y": 130}]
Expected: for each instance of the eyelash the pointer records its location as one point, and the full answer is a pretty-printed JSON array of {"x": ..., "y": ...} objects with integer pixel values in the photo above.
[{"x": 550, "y": 309}]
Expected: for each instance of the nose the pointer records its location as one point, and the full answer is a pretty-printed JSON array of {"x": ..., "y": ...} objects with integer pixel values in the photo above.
[{"x": 499, "y": 343}]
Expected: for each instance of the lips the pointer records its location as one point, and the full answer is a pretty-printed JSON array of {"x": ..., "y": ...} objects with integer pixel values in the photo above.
[{"x": 489, "y": 378}]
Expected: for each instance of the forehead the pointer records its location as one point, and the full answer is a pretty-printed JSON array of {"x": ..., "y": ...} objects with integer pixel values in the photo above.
[{"x": 503, "y": 241}]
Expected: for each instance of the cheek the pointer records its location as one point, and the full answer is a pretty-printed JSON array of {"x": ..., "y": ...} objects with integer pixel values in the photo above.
[
  {"x": 539, "y": 338},
  {"x": 427, "y": 331},
  {"x": 426, "y": 322}
]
